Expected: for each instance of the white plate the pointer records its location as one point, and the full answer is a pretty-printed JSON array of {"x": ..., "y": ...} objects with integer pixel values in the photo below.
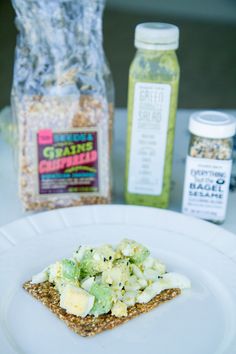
[{"x": 200, "y": 321}]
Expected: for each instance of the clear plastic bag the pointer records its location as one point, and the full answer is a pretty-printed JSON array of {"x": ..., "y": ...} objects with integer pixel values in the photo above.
[{"x": 62, "y": 98}]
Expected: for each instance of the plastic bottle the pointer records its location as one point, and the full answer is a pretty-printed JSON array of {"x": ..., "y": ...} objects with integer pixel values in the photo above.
[{"x": 152, "y": 102}]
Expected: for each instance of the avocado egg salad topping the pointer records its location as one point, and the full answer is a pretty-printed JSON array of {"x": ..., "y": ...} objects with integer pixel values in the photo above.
[{"x": 97, "y": 280}]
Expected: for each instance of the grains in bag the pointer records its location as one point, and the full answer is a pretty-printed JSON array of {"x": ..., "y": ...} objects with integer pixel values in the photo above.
[{"x": 62, "y": 99}]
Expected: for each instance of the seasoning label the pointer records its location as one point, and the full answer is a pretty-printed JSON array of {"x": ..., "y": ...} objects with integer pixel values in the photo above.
[
  {"x": 206, "y": 188},
  {"x": 68, "y": 162},
  {"x": 148, "y": 138}
]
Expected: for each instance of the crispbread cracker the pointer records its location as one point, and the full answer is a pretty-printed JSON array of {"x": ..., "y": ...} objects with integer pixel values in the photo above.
[{"x": 90, "y": 325}]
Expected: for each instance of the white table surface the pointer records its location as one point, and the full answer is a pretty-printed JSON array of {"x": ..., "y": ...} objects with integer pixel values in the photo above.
[{"x": 10, "y": 206}]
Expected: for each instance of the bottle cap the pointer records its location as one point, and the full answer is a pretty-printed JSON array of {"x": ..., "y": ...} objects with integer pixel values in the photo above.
[
  {"x": 156, "y": 36},
  {"x": 212, "y": 124}
]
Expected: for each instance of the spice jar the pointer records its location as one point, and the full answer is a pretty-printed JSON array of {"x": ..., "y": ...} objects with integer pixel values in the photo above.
[
  {"x": 152, "y": 102},
  {"x": 208, "y": 165}
]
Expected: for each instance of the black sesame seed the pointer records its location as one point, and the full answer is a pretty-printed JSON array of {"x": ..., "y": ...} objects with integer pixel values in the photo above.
[
  {"x": 109, "y": 284},
  {"x": 104, "y": 259},
  {"x": 91, "y": 250},
  {"x": 159, "y": 277},
  {"x": 119, "y": 284},
  {"x": 110, "y": 258},
  {"x": 123, "y": 288}
]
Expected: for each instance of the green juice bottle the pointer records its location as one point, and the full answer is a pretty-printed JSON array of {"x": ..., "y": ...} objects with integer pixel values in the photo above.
[{"x": 152, "y": 103}]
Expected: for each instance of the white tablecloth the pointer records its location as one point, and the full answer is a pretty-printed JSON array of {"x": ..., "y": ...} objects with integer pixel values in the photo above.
[{"x": 10, "y": 206}]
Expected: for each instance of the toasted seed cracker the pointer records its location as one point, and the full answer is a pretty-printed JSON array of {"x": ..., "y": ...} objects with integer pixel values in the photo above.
[{"x": 90, "y": 325}]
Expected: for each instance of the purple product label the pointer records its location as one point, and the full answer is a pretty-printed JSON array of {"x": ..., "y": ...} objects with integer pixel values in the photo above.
[{"x": 67, "y": 162}]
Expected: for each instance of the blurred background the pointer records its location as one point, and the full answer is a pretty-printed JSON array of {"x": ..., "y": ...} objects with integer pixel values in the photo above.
[{"x": 207, "y": 51}]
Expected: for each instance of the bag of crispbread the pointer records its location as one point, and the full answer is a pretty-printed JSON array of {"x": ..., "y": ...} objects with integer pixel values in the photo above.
[{"x": 62, "y": 99}]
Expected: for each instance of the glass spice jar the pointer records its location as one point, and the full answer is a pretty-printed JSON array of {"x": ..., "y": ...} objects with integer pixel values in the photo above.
[{"x": 208, "y": 165}]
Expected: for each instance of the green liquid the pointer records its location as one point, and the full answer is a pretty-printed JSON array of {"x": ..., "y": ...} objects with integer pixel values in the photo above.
[{"x": 154, "y": 67}]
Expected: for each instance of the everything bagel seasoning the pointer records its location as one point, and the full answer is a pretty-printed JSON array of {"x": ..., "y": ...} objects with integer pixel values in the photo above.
[{"x": 208, "y": 165}]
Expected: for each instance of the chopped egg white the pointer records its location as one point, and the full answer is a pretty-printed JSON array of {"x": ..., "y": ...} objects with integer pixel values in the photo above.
[
  {"x": 54, "y": 272},
  {"x": 129, "y": 298},
  {"x": 137, "y": 271},
  {"x": 168, "y": 281},
  {"x": 133, "y": 284},
  {"x": 149, "y": 292},
  {"x": 127, "y": 251},
  {"x": 40, "y": 277},
  {"x": 175, "y": 280},
  {"x": 119, "y": 309},
  {"x": 148, "y": 263},
  {"x": 159, "y": 267},
  {"x": 76, "y": 301},
  {"x": 113, "y": 275},
  {"x": 151, "y": 274},
  {"x": 78, "y": 255}
]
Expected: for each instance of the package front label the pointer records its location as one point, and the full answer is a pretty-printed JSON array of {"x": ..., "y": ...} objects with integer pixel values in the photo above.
[
  {"x": 206, "y": 188},
  {"x": 68, "y": 162},
  {"x": 148, "y": 138}
]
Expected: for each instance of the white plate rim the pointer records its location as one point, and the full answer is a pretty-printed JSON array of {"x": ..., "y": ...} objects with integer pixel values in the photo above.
[
  {"x": 213, "y": 235},
  {"x": 33, "y": 226}
]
